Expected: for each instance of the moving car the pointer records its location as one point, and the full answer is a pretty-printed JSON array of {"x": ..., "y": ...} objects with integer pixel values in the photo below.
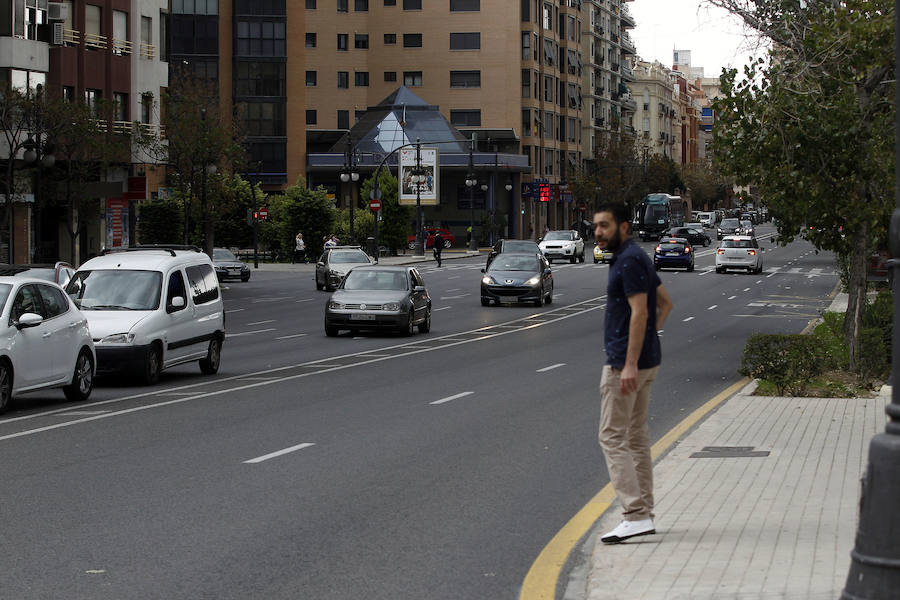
[
  {"x": 696, "y": 237},
  {"x": 430, "y": 232},
  {"x": 150, "y": 308},
  {"x": 563, "y": 244},
  {"x": 58, "y": 273},
  {"x": 44, "y": 341},
  {"x": 747, "y": 228},
  {"x": 729, "y": 226},
  {"x": 739, "y": 252},
  {"x": 673, "y": 252},
  {"x": 376, "y": 297},
  {"x": 335, "y": 263},
  {"x": 517, "y": 278},
  {"x": 602, "y": 254},
  {"x": 707, "y": 219},
  {"x": 229, "y": 266},
  {"x": 512, "y": 246}
]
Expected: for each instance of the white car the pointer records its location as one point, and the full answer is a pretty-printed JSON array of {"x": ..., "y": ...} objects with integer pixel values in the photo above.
[
  {"x": 563, "y": 244},
  {"x": 151, "y": 308},
  {"x": 739, "y": 252},
  {"x": 44, "y": 341}
]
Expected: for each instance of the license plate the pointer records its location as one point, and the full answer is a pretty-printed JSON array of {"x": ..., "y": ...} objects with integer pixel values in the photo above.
[
  {"x": 362, "y": 317},
  {"x": 671, "y": 254}
]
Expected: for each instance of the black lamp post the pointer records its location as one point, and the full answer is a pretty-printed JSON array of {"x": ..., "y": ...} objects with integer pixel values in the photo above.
[
  {"x": 255, "y": 217},
  {"x": 471, "y": 182},
  {"x": 417, "y": 179},
  {"x": 350, "y": 174},
  {"x": 210, "y": 168}
]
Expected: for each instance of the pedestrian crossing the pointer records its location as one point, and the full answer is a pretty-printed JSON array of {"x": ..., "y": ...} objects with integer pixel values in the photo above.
[
  {"x": 771, "y": 271},
  {"x": 479, "y": 266}
]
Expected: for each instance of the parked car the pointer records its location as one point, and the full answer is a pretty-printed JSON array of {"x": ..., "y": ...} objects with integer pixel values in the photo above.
[
  {"x": 44, "y": 341},
  {"x": 512, "y": 246},
  {"x": 59, "y": 273},
  {"x": 729, "y": 226},
  {"x": 739, "y": 252},
  {"x": 376, "y": 297},
  {"x": 563, "y": 244},
  {"x": 229, "y": 266},
  {"x": 150, "y": 308},
  {"x": 336, "y": 262},
  {"x": 602, "y": 254},
  {"x": 747, "y": 228},
  {"x": 673, "y": 252},
  {"x": 430, "y": 232},
  {"x": 517, "y": 278},
  {"x": 696, "y": 237}
]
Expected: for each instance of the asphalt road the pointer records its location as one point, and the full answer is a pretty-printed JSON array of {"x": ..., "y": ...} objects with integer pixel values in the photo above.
[{"x": 375, "y": 466}]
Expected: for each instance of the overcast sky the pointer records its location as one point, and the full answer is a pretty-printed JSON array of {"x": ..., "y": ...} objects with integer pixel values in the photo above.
[{"x": 715, "y": 38}]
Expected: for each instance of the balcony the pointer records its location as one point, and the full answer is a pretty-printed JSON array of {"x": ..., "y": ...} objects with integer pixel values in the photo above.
[
  {"x": 71, "y": 37},
  {"x": 627, "y": 73},
  {"x": 93, "y": 41},
  {"x": 148, "y": 50},
  {"x": 614, "y": 67},
  {"x": 598, "y": 122},
  {"x": 628, "y": 102},
  {"x": 121, "y": 47},
  {"x": 627, "y": 19},
  {"x": 628, "y": 46}
]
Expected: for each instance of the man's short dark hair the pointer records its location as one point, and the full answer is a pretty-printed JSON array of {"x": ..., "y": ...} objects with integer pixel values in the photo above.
[{"x": 619, "y": 211}]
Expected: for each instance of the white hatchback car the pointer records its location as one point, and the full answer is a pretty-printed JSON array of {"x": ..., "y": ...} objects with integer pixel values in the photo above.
[
  {"x": 563, "y": 244},
  {"x": 739, "y": 252},
  {"x": 150, "y": 308},
  {"x": 44, "y": 341}
]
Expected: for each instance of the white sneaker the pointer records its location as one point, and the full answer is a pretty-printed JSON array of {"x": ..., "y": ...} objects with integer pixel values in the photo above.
[{"x": 628, "y": 529}]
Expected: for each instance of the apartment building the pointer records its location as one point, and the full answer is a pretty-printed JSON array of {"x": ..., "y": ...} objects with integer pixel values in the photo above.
[
  {"x": 686, "y": 122},
  {"x": 654, "y": 120}
]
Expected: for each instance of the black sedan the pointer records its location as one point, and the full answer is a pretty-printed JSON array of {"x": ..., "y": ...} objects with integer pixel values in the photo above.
[
  {"x": 380, "y": 298},
  {"x": 696, "y": 237},
  {"x": 229, "y": 266},
  {"x": 517, "y": 278},
  {"x": 513, "y": 247}
]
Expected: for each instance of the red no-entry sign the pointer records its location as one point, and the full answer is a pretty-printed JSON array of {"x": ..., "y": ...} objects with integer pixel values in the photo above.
[
  {"x": 375, "y": 205},
  {"x": 263, "y": 214}
]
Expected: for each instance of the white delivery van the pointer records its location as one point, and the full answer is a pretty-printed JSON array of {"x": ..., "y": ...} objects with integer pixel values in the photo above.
[
  {"x": 708, "y": 219},
  {"x": 150, "y": 308}
]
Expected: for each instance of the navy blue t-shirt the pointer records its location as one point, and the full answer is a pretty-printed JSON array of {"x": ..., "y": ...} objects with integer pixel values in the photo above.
[{"x": 631, "y": 272}]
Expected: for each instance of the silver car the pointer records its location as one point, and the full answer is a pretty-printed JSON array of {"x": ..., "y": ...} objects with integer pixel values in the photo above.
[
  {"x": 380, "y": 298},
  {"x": 739, "y": 252},
  {"x": 335, "y": 263}
]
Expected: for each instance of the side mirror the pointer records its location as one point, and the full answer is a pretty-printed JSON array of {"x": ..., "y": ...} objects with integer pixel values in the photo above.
[
  {"x": 177, "y": 302},
  {"x": 539, "y": 240},
  {"x": 419, "y": 289},
  {"x": 482, "y": 270},
  {"x": 29, "y": 320}
]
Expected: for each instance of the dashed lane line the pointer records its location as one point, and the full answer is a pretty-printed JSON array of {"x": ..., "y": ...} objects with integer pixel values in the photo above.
[
  {"x": 714, "y": 306},
  {"x": 687, "y": 319},
  {"x": 550, "y": 368},
  {"x": 271, "y": 455},
  {"x": 290, "y": 337},
  {"x": 451, "y": 398},
  {"x": 261, "y": 322},
  {"x": 243, "y": 333}
]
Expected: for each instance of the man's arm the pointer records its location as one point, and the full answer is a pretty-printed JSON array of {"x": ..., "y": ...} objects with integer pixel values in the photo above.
[
  {"x": 637, "y": 327},
  {"x": 663, "y": 305}
]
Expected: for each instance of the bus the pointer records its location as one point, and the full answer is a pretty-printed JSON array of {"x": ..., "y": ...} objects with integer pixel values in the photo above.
[{"x": 656, "y": 213}]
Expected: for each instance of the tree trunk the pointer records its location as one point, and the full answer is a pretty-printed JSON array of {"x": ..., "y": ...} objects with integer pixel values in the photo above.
[{"x": 856, "y": 290}]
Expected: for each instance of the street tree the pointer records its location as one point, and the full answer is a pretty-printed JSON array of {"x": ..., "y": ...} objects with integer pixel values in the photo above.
[
  {"x": 299, "y": 209},
  {"x": 813, "y": 127},
  {"x": 394, "y": 228},
  {"x": 161, "y": 221},
  {"x": 618, "y": 170},
  {"x": 16, "y": 125},
  {"x": 708, "y": 187}
]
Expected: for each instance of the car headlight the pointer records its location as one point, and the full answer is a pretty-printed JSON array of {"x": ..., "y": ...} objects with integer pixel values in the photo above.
[
  {"x": 487, "y": 280},
  {"x": 332, "y": 305},
  {"x": 391, "y": 307},
  {"x": 118, "y": 338},
  {"x": 534, "y": 280}
]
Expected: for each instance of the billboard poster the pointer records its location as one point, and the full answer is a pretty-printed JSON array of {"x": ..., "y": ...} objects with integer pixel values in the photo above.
[
  {"x": 116, "y": 223},
  {"x": 428, "y": 190}
]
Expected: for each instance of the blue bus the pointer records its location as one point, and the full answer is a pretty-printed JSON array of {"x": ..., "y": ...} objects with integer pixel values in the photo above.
[{"x": 656, "y": 213}]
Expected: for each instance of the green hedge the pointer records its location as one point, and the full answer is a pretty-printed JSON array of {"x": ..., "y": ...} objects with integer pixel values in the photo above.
[{"x": 787, "y": 361}]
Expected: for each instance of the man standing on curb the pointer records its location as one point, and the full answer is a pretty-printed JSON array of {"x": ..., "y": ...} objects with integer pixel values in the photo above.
[{"x": 636, "y": 307}]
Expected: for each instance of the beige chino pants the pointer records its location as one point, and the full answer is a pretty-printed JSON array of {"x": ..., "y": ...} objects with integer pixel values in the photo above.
[{"x": 625, "y": 439}]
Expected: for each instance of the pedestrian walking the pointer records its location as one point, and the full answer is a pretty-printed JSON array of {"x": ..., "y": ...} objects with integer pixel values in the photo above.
[
  {"x": 438, "y": 246},
  {"x": 330, "y": 242},
  {"x": 299, "y": 249},
  {"x": 637, "y": 305}
]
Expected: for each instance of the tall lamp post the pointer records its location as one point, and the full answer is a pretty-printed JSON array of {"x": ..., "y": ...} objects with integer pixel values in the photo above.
[
  {"x": 209, "y": 167},
  {"x": 509, "y": 187},
  {"x": 471, "y": 182},
  {"x": 350, "y": 174},
  {"x": 417, "y": 179}
]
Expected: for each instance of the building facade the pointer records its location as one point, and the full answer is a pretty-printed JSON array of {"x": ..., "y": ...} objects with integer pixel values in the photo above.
[{"x": 655, "y": 117}]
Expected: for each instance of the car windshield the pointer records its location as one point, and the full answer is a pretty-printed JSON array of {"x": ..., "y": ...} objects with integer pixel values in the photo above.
[
  {"x": 667, "y": 246},
  {"x": 730, "y": 223},
  {"x": 560, "y": 235},
  {"x": 656, "y": 213},
  {"x": 372, "y": 279},
  {"x": 746, "y": 224},
  {"x": 516, "y": 263},
  {"x": 519, "y": 246},
  {"x": 115, "y": 290},
  {"x": 355, "y": 256},
  {"x": 223, "y": 254},
  {"x": 5, "y": 289},
  {"x": 737, "y": 244}
]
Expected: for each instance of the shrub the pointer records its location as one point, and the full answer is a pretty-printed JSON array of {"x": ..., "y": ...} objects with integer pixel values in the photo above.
[
  {"x": 787, "y": 361},
  {"x": 830, "y": 342}
]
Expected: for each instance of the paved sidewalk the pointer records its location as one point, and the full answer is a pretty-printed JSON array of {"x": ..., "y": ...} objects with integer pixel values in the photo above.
[{"x": 771, "y": 527}]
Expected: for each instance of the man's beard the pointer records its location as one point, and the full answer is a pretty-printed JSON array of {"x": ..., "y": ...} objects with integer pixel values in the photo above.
[{"x": 615, "y": 241}]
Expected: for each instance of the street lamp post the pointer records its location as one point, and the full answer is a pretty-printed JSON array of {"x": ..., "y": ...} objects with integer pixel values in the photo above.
[
  {"x": 471, "y": 181},
  {"x": 208, "y": 168},
  {"x": 417, "y": 179},
  {"x": 255, "y": 217},
  {"x": 509, "y": 187},
  {"x": 350, "y": 174}
]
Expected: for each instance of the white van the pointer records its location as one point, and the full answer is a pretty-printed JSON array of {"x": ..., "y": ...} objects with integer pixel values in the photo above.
[
  {"x": 708, "y": 219},
  {"x": 150, "y": 308}
]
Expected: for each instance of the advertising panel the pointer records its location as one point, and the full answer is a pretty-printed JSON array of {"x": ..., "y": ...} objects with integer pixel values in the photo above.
[{"x": 428, "y": 190}]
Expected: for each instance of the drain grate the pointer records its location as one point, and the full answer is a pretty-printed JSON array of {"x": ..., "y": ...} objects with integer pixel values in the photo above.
[{"x": 730, "y": 452}]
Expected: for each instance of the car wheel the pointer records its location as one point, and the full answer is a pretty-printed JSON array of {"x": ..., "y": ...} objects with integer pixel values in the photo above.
[
  {"x": 330, "y": 330},
  {"x": 82, "y": 379},
  {"x": 425, "y": 326},
  {"x": 153, "y": 365},
  {"x": 410, "y": 328},
  {"x": 596, "y": 261},
  {"x": 690, "y": 267},
  {"x": 549, "y": 299},
  {"x": 485, "y": 302},
  {"x": 540, "y": 300},
  {"x": 245, "y": 278},
  {"x": 411, "y": 245},
  {"x": 448, "y": 244},
  {"x": 210, "y": 364},
  {"x": 572, "y": 259},
  {"x": 319, "y": 286},
  {"x": 6, "y": 381}
]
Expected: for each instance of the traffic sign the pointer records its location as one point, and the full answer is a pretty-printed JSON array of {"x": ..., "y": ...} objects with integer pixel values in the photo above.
[
  {"x": 375, "y": 194},
  {"x": 375, "y": 205},
  {"x": 264, "y": 214}
]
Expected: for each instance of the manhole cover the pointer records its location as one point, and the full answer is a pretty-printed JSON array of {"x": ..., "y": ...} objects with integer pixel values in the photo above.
[{"x": 730, "y": 452}]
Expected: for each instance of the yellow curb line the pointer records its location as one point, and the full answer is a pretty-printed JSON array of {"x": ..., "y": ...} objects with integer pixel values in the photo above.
[{"x": 541, "y": 580}]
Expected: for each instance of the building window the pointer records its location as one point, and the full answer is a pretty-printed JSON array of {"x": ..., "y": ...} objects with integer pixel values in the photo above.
[
  {"x": 146, "y": 31},
  {"x": 465, "y": 79},
  {"x": 390, "y": 38},
  {"x": 412, "y": 40},
  {"x": 465, "y": 41},
  {"x": 257, "y": 38},
  {"x": 390, "y": 75},
  {"x": 343, "y": 119},
  {"x": 465, "y": 118},
  {"x": 572, "y": 129},
  {"x": 526, "y": 83},
  {"x": 92, "y": 20},
  {"x": 412, "y": 78},
  {"x": 548, "y": 88},
  {"x": 342, "y": 5},
  {"x": 259, "y": 79},
  {"x": 146, "y": 108},
  {"x": 548, "y": 162},
  {"x": 311, "y": 117},
  {"x": 343, "y": 79},
  {"x": 361, "y": 41},
  {"x": 361, "y": 79},
  {"x": 465, "y": 5},
  {"x": 342, "y": 42},
  {"x": 163, "y": 36},
  {"x": 69, "y": 93},
  {"x": 263, "y": 118},
  {"x": 310, "y": 40},
  {"x": 120, "y": 33},
  {"x": 526, "y": 121},
  {"x": 120, "y": 106},
  {"x": 390, "y": 2},
  {"x": 91, "y": 97},
  {"x": 311, "y": 4},
  {"x": 361, "y": 5},
  {"x": 548, "y": 16},
  {"x": 412, "y": 4},
  {"x": 310, "y": 79},
  {"x": 526, "y": 45}
]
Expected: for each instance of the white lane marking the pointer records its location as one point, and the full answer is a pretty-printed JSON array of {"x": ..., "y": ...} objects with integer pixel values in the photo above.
[
  {"x": 288, "y": 337},
  {"x": 457, "y": 297},
  {"x": 688, "y": 319},
  {"x": 260, "y": 459},
  {"x": 274, "y": 299},
  {"x": 441, "y": 308},
  {"x": 550, "y": 368},
  {"x": 304, "y": 300},
  {"x": 705, "y": 273},
  {"x": 712, "y": 307},
  {"x": 732, "y": 297},
  {"x": 455, "y": 277},
  {"x": 772, "y": 274},
  {"x": 176, "y": 393},
  {"x": 316, "y": 366},
  {"x": 455, "y": 290},
  {"x": 81, "y": 413},
  {"x": 373, "y": 355},
  {"x": 454, "y": 397},
  {"x": 758, "y": 281},
  {"x": 234, "y": 310},
  {"x": 258, "y": 378},
  {"x": 230, "y": 335},
  {"x": 748, "y": 289},
  {"x": 260, "y": 322}
]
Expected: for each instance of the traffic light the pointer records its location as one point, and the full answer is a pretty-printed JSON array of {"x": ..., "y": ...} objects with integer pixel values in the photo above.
[{"x": 544, "y": 192}]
